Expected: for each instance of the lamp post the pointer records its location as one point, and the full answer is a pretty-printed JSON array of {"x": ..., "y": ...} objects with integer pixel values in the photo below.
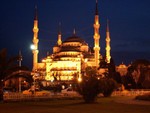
[
  {"x": 34, "y": 82},
  {"x": 20, "y": 59}
]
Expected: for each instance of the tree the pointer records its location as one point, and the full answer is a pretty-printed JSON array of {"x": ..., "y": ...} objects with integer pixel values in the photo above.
[
  {"x": 91, "y": 71},
  {"x": 109, "y": 82},
  {"x": 103, "y": 63},
  {"x": 146, "y": 84},
  {"x": 108, "y": 86},
  {"x": 89, "y": 86},
  {"x": 8, "y": 69},
  {"x": 112, "y": 72},
  {"x": 139, "y": 71},
  {"x": 128, "y": 81},
  {"x": 111, "y": 67}
]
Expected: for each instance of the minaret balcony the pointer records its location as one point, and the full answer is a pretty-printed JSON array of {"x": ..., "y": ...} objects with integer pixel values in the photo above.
[
  {"x": 35, "y": 30},
  {"x": 35, "y": 41},
  {"x": 96, "y": 48},
  {"x": 97, "y": 26},
  {"x": 96, "y": 36},
  {"x": 108, "y": 39},
  {"x": 35, "y": 51},
  {"x": 108, "y": 47}
]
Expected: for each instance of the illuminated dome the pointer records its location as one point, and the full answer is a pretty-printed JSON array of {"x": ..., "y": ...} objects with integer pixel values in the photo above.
[
  {"x": 122, "y": 66},
  {"x": 75, "y": 39}
]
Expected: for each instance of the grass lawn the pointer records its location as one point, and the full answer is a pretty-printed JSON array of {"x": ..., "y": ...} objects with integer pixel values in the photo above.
[{"x": 104, "y": 105}]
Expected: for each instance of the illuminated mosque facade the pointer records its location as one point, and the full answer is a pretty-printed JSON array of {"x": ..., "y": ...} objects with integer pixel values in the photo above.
[{"x": 69, "y": 58}]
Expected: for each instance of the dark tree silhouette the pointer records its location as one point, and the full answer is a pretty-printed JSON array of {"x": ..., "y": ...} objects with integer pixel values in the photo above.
[
  {"x": 141, "y": 66},
  {"x": 9, "y": 69},
  {"x": 128, "y": 81},
  {"x": 103, "y": 63},
  {"x": 107, "y": 86},
  {"x": 112, "y": 72},
  {"x": 89, "y": 86}
]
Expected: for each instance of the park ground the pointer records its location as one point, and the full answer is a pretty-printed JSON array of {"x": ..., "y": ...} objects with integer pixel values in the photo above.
[{"x": 103, "y": 105}]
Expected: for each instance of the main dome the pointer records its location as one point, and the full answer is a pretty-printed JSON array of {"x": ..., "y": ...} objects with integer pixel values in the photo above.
[{"x": 75, "y": 39}]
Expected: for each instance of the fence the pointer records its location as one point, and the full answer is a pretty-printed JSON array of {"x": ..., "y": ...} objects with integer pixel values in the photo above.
[
  {"x": 129, "y": 93},
  {"x": 22, "y": 97}
]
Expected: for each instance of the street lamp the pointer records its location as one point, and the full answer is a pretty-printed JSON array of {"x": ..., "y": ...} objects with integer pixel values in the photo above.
[
  {"x": 32, "y": 47},
  {"x": 79, "y": 80},
  {"x": 20, "y": 59}
]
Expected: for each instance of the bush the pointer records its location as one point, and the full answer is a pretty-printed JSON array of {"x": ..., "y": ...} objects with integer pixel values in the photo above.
[
  {"x": 89, "y": 89},
  {"x": 108, "y": 86}
]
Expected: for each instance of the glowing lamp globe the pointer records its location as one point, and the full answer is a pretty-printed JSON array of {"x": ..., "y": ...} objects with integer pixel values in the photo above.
[{"x": 32, "y": 47}]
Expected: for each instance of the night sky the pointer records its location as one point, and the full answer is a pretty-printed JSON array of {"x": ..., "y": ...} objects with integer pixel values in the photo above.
[{"x": 129, "y": 23}]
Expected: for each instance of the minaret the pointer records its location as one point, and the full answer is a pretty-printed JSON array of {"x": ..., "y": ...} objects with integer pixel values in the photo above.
[
  {"x": 108, "y": 57},
  {"x": 59, "y": 42},
  {"x": 96, "y": 37},
  {"x": 35, "y": 41},
  {"x": 74, "y": 32}
]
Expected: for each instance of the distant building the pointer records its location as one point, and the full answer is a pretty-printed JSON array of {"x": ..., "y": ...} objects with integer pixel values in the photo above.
[{"x": 122, "y": 69}]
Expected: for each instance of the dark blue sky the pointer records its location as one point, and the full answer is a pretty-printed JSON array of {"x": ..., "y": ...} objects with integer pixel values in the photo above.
[{"x": 129, "y": 22}]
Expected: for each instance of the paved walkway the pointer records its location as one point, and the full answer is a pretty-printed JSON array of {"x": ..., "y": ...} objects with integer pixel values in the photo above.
[{"x": 131, "y": 100}]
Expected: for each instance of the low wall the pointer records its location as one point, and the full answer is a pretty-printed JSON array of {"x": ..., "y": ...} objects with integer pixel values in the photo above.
[
  {"x": 129, "y": 93},
  {"x": 22, "y": 97}
]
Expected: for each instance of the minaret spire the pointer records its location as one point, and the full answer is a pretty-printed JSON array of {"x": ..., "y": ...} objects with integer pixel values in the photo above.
[
  {"x": 35, "y": 18},
  {"x": 96, "y": 37},
  {"x": 107, "y": 25},
  {"x": 96, "y": 11},
  {"x": 108, "y": 57},
  {"x": 59, "y": 28},
  {"x": 74, "y": 32},
  {"x": 35, "y": 41},
  {"x": 59, "y": 42}
]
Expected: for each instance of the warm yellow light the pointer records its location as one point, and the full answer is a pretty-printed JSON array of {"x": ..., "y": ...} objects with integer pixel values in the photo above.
[
  {"x": 96, "y": 45},
  {"x": 79, "y": 80},
  {"x": 47, "y": 77},
  {"x": 43, "y": 60},
  {"x": 63, "y": 87},
  {"x": 69, "y": 71},
  {"x": 32, "y": 47},
  {"x": 86, "y": 60}
]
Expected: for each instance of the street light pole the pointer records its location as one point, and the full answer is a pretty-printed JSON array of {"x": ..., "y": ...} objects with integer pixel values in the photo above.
[
  {"x": 20, "y": 59},
  {"x": 34, "y": 81}
]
